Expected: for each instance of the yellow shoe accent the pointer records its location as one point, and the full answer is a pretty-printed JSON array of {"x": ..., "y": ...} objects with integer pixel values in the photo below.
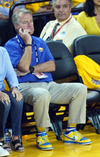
[
  {"x": 40, "y": 129},
  {"x": 43, "y": 142},
  {"x": 71, "y": 125},
  {"x": 75, "y": 137}
]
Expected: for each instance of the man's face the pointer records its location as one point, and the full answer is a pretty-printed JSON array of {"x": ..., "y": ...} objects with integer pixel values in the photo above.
[
  {"x": 25, "y": 22},
  {"x": 62, "y": 10}
]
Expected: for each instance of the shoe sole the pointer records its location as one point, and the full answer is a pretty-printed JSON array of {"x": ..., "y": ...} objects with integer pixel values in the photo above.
[
  {"x": 71, "y": 142},
  {"x": 45, "y": 148}
]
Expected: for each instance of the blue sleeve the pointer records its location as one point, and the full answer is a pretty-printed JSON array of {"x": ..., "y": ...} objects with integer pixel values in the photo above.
[{"x": 10, "y": 73}]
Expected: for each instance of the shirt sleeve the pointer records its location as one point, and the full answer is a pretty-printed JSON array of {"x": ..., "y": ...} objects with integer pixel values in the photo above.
[{"x": 10, "y": 73}]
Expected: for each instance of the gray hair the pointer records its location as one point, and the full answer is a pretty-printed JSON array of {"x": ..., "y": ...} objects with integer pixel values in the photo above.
[
  {"x": 15, "y": 16},
  {"x": 53, "y": 3}
]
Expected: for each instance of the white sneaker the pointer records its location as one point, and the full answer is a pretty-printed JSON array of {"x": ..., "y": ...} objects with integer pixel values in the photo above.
[{"x": 3, "y": 152}]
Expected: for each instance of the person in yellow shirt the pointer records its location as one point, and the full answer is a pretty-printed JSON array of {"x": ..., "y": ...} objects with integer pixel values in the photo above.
[
  {"x": 39, "y": 7},
  {"x": 76, "y": 2},
  {"x": 90, "y": 17}
]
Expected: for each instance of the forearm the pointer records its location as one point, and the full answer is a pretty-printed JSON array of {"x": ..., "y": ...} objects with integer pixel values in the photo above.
[
  {"x": 25, "y": 60},
  {"x": 3, "y": 17},
  {"x": 43, "y": 10},
  {"x": 45, "y": 67}
]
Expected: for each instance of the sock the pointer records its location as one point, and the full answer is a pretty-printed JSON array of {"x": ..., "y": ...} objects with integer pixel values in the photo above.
[
  {"x": 40, "y": 130},
  {"x": 71, "y": 127}
]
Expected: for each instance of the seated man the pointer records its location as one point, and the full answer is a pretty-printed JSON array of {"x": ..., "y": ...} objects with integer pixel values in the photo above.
[
  {"x": 33, "y": 62},
  {"x": 65, "y": 28}
]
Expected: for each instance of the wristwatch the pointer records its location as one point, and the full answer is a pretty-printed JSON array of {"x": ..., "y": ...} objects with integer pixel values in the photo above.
[{"x": 31, "y": 68}]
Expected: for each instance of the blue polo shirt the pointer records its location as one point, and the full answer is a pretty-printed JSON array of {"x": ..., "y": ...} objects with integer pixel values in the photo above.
[{"x": 15, "y": 52}]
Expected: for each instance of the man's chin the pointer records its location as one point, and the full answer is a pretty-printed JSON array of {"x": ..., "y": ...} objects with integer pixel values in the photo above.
[
  {"x": 61, "y": 19},
  {"x": 30, "y": 33}
]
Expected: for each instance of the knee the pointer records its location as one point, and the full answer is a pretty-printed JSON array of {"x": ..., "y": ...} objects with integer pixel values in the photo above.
[
  {"x": 82, "y": 89},
  {"x": 20, "y": 103},
  {"x": 7, "y": 107},
  {"x": 43, "y": 94},
  {"x": 37, "y": 95}
]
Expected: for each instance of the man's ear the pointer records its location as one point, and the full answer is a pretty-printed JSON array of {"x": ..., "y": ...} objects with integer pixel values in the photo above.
[{"x": 16, "y": 27}]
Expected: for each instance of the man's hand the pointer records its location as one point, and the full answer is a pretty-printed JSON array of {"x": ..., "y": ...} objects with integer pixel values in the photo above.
[
  {"x": 19, "y": 73},
  {"x": 4, "y": 98},
  {"x": 24, "y": 34},
  {"x": 3, "y": 17},
  {"x": 16, "y": 94}
]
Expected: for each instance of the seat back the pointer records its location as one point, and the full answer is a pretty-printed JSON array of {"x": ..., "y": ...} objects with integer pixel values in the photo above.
[
  {"x": 88, "y": 45},
  {"x": 65, "y": 66}
]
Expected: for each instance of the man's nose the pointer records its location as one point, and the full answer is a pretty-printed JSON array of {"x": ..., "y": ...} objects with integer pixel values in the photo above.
[
  {"x": 29, "y": 24},
  {"x": 61, "y": 9}
]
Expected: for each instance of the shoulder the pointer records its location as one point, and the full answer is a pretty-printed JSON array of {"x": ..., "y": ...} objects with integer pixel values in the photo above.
[
  {"x": 82, "y": 15},
  {"x": 12, "y": 43},
  {"x": 13, "y": 40},
  {"x": 75, "y": 23},
  {"x": 3, "y": 51},
  {"x": 77, "y": 28},
  {"x": 50, "y": 23},
  {"x": 38, "y": 40}
]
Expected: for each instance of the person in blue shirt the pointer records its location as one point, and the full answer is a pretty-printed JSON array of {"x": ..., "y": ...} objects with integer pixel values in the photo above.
[
  {"x": 12, "y": 100},
  {"x": 33, "y": 63}
]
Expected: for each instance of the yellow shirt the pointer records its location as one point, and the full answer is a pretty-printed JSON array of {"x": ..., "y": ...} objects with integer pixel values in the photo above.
[
  {"x": 7, "y": 88},
  {"x": 88, "y": 23},
  {"x": 34, "y": 7},
  {"x": 67, "y": 33},
  {"x": 88, "y": 70},
  {"x": 76, "y": 2}
]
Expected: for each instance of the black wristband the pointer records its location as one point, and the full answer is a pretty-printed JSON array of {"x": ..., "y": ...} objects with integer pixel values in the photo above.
[
  {"x": 28, "y": 45},
  {"x": 31, "y": 68}
]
